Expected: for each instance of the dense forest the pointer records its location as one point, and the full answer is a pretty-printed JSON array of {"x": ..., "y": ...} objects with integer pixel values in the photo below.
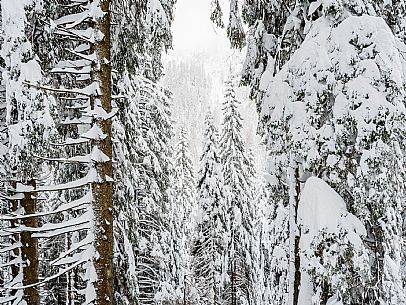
[{"x": 122, "y": 182}]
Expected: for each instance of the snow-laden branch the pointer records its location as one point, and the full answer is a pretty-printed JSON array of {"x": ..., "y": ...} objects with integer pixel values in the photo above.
[
  {"x": 81, "y": 202},
  {"x": 89, "y": 239},
  {"x": 91, "y": 90}
]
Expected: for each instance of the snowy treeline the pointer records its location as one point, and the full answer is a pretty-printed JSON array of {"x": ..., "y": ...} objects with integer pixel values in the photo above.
[
  {"x": 97, "y": 204},
  {"x": 191, "y": 86},
  {"x": 328, "y": 78},
  {"x": 85, "y": 156},
  {"x": 102, "y": 203}
]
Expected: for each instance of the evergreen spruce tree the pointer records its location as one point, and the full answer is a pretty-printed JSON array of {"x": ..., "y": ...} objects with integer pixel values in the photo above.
[
  {"x": 87, "y": 103},
  {"x": 135, "y": 54},
  {"x": 128, "y": 150},
  {"x": 26, "y": 126},
  {"x": 184, "y": 183},
  {"x": 182, "y": 200},
  {"x": 155, "y": 276},
  {"x": 76, "y": 221},
  {"x": 208, "y": 247},
  {"x": 238, "y": 179},
  {"x": 142, "y": 34},
  {"x": 142, "y": 194},
  {"x": 277, "y": 28},
  {"x": 319, "y": 122}
]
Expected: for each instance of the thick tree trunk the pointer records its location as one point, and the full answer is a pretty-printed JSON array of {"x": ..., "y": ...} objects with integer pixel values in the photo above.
[
  {"x": 29, "y": 249},
  {"x": 29, "y": 245},
  {"x": 103, "y": 191}
]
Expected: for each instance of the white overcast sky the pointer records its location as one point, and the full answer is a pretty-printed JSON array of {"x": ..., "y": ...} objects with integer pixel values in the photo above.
[
  {"x": 194, "y": 36},
  {"x": 193, "y": 31}
]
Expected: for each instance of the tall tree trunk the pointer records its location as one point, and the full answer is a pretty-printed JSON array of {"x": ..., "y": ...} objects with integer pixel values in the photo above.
[
  {"x": 325, "y": 295},
  {"x": 15, "y": 238},
  {"x": 69, "y": 282},
  {"x": 29, "y": 249},
  {"x": 103, "y": 191},
  {"x": 214, "y": 288},
  {"x": 296, "y": 250},
  {"x": 233, "y": 286}
]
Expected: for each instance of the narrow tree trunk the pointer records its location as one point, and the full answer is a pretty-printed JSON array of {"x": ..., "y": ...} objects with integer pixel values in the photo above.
[
  {"x": 233, "y": 286},
  {"x": 29, "y": 249},
  {"x": 297, "y": 274},
  {"x": 15, "y": 268},
  {"x": 184, "y": 289},
  {"x": 214, "y": 290},
  {"x": 69, "y": 284},
  {"x": 325, "y": 295},
  {"x": 103, "y": 191},
  {"x": 213, "y": 258}
]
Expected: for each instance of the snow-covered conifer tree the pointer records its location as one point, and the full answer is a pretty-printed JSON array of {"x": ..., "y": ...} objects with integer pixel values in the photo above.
[
  {"x": 155, "y": 277},
  {"x": 86, "y": 99},
  {"x": 76, "y": 225},
  {"x": 277, "y": 28},
  {"x": 320, "y": 121},
  {"x": 141, "y": 34},
  {"x": 182, "y": 202},
  {"x": 184, "y": 183},
  {"x": 263, "y": 223},
  {"x": 129, "y": 148},
  {"x": 142, "y": 175},
  {"x": 26, "y": 126},
  {"x": 208, "y": 246},
  {"x": 279, "y": 40},
  {"x": 238, "y": 179},
  {"x": 334, "y": 258}
]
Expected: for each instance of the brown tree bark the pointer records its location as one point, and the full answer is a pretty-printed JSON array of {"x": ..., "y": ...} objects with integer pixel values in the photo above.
[
  {"x": 29, "y": 245},
  {"x": 29, "y": 249},
  {"x": 103, "y": 191},
  {"x": 15, "y": 269},
  {"x": 297, "y": 277}
]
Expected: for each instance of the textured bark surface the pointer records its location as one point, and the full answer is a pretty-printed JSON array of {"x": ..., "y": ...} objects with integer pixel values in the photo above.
[
  {"x": 297, "y": 278},
  {"x": 16, "y": 237},
  {"x": 296, "y": 283},
  {"x": 69, "y": 278},
  {"x": 29, "y": 249},
  {"x": 103, "y": 192}
]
